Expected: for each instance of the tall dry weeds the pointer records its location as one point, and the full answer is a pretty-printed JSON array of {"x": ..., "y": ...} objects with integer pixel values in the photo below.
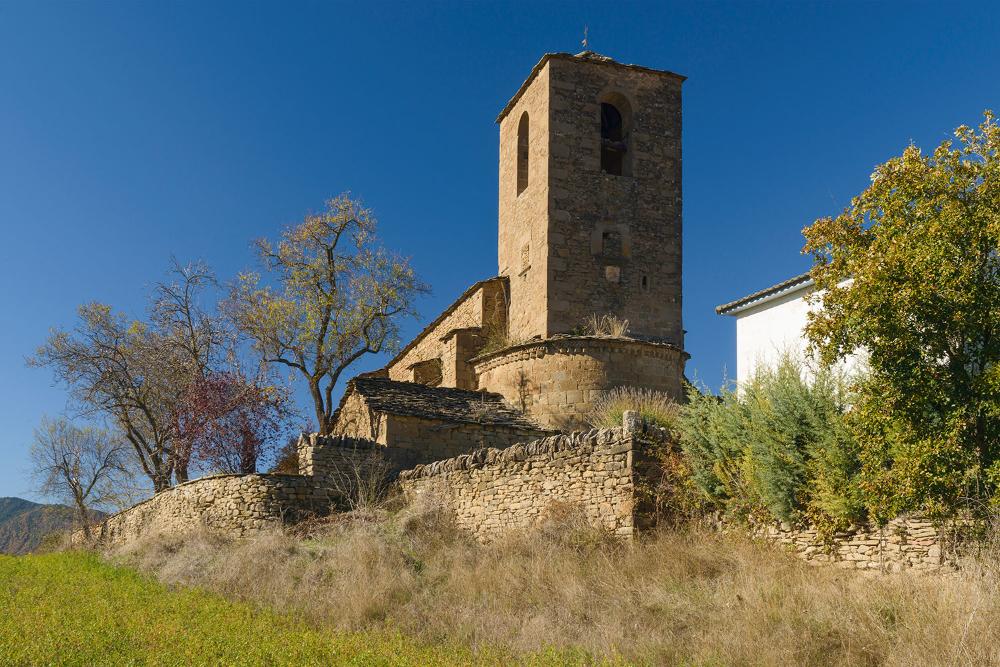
[{"x": 685, "y": 597}]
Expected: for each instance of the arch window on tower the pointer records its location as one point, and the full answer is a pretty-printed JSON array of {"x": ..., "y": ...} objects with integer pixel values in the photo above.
[
  {"x": 616, "y": 120},
  {"x": 522, "y": 153}
]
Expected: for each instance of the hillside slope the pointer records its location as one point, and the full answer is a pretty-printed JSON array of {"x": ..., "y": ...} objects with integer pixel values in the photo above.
[
  {"x": 73, "y": 609},
  {"x": 24, "y": 524}
]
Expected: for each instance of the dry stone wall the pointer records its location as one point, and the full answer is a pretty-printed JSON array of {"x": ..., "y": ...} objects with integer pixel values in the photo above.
[
  {"x": 905, "y": 543},
  {"x": 414, "y": 440},
  {"x": 329, "y": 462},
  {"x": 492, "y": 490},
  {"x": 238, "y": 505}
]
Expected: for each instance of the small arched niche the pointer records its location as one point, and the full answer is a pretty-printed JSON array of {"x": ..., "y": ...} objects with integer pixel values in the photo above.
[
  {"x": 522, "y": 153},
  {"x": 616, "y": 129}
]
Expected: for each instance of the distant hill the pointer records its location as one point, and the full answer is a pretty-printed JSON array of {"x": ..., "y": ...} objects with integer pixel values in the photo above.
[{"x": 23, "y": 524}]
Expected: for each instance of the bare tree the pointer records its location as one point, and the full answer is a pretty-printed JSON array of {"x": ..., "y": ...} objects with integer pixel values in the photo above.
[
  {"x": 338, "y": 296},
  {"x": 83, "y": 466},
  {"x": 138, "y": 372},
  {"x": 121, "y": 369},
  {"x": 195, "y": 340}
]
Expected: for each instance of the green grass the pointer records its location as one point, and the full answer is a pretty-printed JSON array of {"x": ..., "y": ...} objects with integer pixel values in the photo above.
[{"x": 74, "y": 609}]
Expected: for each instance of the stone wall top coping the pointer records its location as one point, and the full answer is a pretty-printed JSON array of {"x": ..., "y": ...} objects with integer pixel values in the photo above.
[
  {"x": 519, "y": 452},
  {"x": 341, "y": 441},
  {"x": 566, "y": 340}
]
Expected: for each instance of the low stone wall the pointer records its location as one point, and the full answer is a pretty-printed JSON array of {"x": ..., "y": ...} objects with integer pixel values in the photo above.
[
  {"x": 905, "y": 543},
  {"x": 240, "y": 505},
  {"x": 323, "y": 458},
  {"x": 493, "y": 490},
  {"x": 235, "y": 504}
]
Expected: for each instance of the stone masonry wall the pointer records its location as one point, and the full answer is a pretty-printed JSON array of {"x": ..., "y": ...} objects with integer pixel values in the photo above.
[
  {"x": 614, "y": 242},
  {"x": 492, "y": 491},
  {"x": 355, "y": 420},
  {"x": 483, "y": 308},
  {"x": 555, "y": 381},
  {"x": 905, "y": 543},
  {"x": 409, "y": 441},
  {"x": 419, "y": 441},
  {"x": 235, "y": 504},
  {"x": 578, "y": 241},
  {"x": 522, "y": 243},
  {"x": 325, "y": 460},
  {"x": 240, "y": 505}
]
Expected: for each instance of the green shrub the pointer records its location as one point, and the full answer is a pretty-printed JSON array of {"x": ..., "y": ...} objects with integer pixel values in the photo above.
[
  {"x": 782, "y": 448},
  {"x": 654, "y": 407}
]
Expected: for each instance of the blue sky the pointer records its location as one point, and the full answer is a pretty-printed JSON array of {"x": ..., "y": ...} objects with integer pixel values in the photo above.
[{"x": 133, "y": 131}]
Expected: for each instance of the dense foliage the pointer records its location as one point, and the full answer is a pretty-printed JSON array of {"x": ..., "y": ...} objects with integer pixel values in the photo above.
[
  {"x": 780, "y": 449},
  {"x": 910, "y": 273}
]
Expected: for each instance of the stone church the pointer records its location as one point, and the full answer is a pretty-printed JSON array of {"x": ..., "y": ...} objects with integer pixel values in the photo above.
[
  {"x": 486, "y": 410},
  {"x": 589, "y": 226}
]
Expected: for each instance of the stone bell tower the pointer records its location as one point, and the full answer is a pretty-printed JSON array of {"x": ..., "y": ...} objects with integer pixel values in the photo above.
[{"x": 590, "y": 198}]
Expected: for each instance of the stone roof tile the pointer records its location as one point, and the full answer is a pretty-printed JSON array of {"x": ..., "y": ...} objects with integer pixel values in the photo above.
[{"x": 442, "y": 403}]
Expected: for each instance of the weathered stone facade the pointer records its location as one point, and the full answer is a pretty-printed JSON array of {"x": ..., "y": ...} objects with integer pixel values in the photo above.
[
  {"x": 491, "y": 491},
  {"x": 905, "y": 543},
  {"x": 419, "y": 424},
  {"x": 597, "y": 242},
  {"x": 578, "y": 237},
  {"x": 556, "y": 380},
  {"x": 453, "y": 338}
]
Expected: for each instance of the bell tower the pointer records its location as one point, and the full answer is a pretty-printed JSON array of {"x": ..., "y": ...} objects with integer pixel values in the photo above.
[{"x": 590, "y": 198}]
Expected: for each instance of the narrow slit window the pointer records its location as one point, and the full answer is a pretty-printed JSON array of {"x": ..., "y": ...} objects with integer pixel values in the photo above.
[{"x": 522, "y": 153}]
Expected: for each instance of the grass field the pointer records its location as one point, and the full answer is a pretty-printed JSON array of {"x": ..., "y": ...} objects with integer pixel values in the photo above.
[
  {"x": 73, "y": 609},
  {"x": 411, "y": 590}
]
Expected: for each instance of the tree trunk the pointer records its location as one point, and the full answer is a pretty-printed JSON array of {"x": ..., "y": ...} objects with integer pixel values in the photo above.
[
  {"x": 84, "y": 519},
  {"x": 323, "y": 422},
  {"x": 181, "y": 471},
  {"x": 161, "y": 481}
]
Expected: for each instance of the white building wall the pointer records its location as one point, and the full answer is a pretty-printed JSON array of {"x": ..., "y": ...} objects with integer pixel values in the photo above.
[{"x": 774, "y": 327}]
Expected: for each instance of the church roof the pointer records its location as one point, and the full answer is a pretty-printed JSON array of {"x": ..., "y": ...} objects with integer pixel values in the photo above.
[
  {"x": 439, "y": 403},
  {"x": 588, "y": 56},
  {"x": 784, "y": 287}
]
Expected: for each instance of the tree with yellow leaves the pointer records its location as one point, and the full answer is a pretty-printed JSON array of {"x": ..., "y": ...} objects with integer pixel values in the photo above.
[
  {"x": 910, "y": 272},
  {"x": 337, "y": 296}
]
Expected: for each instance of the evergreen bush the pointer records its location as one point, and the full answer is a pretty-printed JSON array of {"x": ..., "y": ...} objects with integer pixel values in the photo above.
[{"x": 780, "y": 449}]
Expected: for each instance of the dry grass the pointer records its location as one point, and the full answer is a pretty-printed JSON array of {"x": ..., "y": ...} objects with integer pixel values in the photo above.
[
  {"x": 606, "y": 326},
  {"x": 685, "y": 597},
  {"x": 655, "y": 407}
]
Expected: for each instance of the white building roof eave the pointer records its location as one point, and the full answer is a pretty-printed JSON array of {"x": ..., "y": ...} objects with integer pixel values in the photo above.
[{"x": 782, "y": 289}]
